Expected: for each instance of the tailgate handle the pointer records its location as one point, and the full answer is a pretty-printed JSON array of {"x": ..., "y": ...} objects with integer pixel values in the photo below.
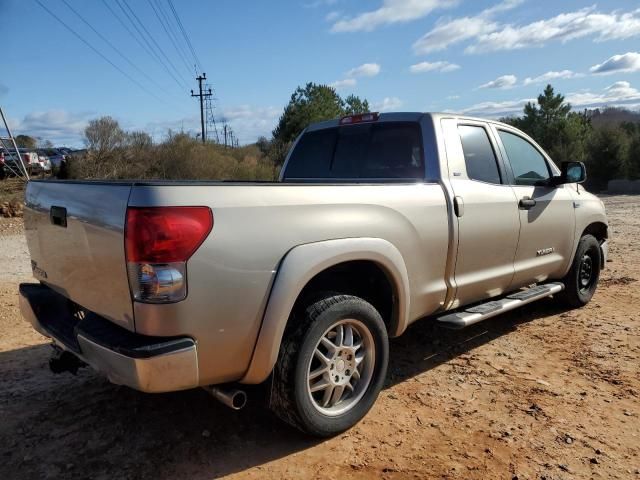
[{"x": 58, "y": 216}]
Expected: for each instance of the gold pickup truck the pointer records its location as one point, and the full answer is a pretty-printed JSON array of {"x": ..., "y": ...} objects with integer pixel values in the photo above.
[{"x": 377, "y": 221}]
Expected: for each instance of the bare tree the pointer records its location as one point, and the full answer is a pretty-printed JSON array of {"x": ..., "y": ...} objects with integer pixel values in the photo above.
[
  {"x": 103, "y": 135},
  {"x": 138, "y": 139}
]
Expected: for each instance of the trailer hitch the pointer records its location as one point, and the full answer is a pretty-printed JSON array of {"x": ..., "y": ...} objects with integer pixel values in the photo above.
[{"x": 63, "y": 361}]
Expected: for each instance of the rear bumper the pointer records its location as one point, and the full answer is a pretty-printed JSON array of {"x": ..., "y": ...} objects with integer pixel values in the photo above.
[{"x": 145, "y": 363}]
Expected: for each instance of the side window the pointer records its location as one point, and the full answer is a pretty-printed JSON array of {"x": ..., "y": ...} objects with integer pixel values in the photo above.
[
  {"x": 479, "y": 156},
  {"x": 528, "y": 165}
]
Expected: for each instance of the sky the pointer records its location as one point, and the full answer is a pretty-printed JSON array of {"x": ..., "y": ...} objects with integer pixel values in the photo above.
[{"x": 477, "y": 57}]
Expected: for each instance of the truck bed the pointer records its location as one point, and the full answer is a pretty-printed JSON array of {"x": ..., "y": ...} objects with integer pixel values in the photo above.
[{"x": 230, "y": 275}]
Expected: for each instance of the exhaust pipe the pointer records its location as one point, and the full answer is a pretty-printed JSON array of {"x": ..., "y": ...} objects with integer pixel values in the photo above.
[
  {"x": 63, "y": 361},
  {"x": 231, "y": 397}
]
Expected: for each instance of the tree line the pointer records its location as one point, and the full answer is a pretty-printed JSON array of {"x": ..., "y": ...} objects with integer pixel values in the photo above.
[
  {"x": 115, "y": 153},
  {"x": 606, "y": 140}
]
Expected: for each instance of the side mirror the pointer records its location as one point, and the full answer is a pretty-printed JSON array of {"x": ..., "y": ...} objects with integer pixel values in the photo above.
[{"x": 571, "y": 172}]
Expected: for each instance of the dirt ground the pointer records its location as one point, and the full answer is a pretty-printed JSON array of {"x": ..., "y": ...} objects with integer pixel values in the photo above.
[{"x": 537, "y": 393}]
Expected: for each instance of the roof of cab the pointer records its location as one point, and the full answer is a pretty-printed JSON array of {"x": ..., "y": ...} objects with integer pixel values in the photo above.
[{"x": 403, "y": 117}]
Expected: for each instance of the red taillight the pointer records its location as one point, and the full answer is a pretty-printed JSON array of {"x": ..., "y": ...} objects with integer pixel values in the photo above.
[
  {"x": 359, "y": 118},
  {"x": 165, "y": 234}
]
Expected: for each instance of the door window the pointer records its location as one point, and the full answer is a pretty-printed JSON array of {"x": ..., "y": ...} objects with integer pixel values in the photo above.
[
  {"x": 528, "y": 165},
  {"x": 479, "y": 156}
]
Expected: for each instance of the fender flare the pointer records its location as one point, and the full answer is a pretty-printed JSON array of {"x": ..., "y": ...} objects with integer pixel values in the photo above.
[{"x": 298, "y": 267}]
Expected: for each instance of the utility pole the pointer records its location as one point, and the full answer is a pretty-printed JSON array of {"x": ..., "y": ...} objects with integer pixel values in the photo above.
[
  {"x": 225, "y": 135},
  {"x": 202, "y": 96}
]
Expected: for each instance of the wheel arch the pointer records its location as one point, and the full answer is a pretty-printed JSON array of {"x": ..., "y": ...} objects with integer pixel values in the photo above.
[
  {"x": 598, "y": 229},
  {"x": 306, "y": 263}
]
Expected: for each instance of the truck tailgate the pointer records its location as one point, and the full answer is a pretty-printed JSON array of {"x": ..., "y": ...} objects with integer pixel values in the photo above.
[{"x": 75, "y": 234}]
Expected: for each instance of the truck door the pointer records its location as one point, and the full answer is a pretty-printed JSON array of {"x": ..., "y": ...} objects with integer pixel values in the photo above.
[
  {"x": 485, "y": 210},
  {"x": 547, "y": 213}
]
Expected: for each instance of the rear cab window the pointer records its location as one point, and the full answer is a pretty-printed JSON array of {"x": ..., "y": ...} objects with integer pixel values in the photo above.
[{"x": 367, "y": 151}]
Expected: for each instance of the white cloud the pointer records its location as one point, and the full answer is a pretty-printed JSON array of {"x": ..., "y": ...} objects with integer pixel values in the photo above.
[
  {"x": 388, "y": 104},
  {"x": 59, "y": 126},
  {"x": 491, "y": 36},
  {"x": 552, "y": 75},
  {"x": 249, "y": 122},
  {"x": 441, "y": 66},
  {"x": 496, "y": 109},
  {"x": 447, "y": 33},
  {"x": 586, "y": 22},
  {"x": 320, "y": 3},
  {"x": 67, "y": 128},
  {"x": 391, "y": 11},
  {"x": 347, "y": 82},
  {"x": 629, "y": 62},
  {"x": 503, "y": 82},
  {"x": 619, "y": 94},
  {"x": 364, "y": 70},
  {"x": 502, "y": 7}
]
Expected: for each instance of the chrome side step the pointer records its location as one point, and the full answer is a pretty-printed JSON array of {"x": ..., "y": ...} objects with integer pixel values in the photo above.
[{"x": 477, "y": 313}]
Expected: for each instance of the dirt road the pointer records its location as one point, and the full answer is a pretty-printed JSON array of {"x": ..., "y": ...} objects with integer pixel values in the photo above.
[{"x": 537, "y": 393}]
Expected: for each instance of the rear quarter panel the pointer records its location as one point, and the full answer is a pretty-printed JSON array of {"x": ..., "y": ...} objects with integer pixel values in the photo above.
[{"x": 230, "y": 276}]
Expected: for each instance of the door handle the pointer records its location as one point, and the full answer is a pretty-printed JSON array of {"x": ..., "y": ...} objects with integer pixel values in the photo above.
[
  {"x": 458, "y": 206},
  {"x": 526, "y": 203}
]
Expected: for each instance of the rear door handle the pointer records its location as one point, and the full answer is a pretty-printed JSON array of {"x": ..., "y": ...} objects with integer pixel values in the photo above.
[
  {"x": 458, "y": 206},
  {"x": 526, "y": 203}
]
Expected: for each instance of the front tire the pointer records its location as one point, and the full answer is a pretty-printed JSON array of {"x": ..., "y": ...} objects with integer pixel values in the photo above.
[
  {"x": 332, "y": 365},
  {"x": 582, "y": 280}
]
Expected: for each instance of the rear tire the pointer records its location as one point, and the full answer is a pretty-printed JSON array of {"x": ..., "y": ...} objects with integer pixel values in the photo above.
[
  {"x": 582, "y": 280},
  {"x": 332, "y": 365}
]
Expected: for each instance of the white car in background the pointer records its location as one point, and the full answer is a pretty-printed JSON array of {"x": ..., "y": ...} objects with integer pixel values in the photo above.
[{"x": 44, "y": 163}]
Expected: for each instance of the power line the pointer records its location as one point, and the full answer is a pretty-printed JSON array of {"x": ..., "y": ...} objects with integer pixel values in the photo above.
[
  {"x": 98, "y": 52},
  {"x": 153, "y": 40},
  {"x": 154, "y": 54},
  {"x": 184, "y": 34},
  {"x": 169, "y": 34},
  {"x": 113, "y": 12},
  {"x": 114, "y": 48},
  {"x": 174, "y": 34}
]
